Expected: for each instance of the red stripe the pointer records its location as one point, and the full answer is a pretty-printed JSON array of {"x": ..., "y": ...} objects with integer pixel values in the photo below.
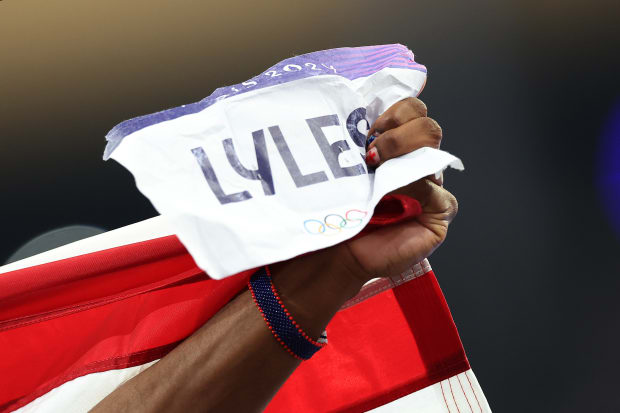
[
  {"x": 473, "y": 391},
  {"x": 431, "y": 323},
  {"x": 463, "y": 390},
  {"x": 53, "y": 289},
  {"x": 372, "y": 357},
  {"x": 39, "y": 357},
  {"x": 454, "y": 398},
  {"x": 444, "y": 396}
]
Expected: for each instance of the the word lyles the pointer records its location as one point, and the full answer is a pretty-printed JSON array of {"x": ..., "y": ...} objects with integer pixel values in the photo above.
[{"x": 263, "y": 173}]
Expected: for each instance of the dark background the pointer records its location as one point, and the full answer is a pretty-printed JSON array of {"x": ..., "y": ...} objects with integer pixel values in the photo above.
[{"x": 522, "y": 90}]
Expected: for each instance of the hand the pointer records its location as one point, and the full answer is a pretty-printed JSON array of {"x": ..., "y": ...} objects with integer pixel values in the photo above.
[
  {"x": 403, "y": 128},
  {"x": 335, "y": 274}
]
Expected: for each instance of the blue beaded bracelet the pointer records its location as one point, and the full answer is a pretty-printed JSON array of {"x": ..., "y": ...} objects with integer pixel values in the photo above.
[{"x": 279, "y": 321}]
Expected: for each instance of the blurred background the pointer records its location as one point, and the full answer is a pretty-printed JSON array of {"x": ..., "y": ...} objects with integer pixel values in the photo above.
[{"x": 528, "y": 95}]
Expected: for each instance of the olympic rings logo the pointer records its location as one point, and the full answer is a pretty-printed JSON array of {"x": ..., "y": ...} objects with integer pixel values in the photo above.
[{"x": 333, "y": 224}]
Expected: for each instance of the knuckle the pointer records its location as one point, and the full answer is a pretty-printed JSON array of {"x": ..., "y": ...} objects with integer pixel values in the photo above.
[
  {"x": 417, "y": 105},
  {"x": 382, "y": 123},
  {"x": 431, "y": 126},
  {"x": 453, "y": 205},
  {"x": 389, "y": 143},
  {"x": 391, "y": 121},
  {"x": 432, "y": 129}
]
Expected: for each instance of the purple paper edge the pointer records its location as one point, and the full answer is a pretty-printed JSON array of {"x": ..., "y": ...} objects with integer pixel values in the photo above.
[{"x": 346, "y": 61}]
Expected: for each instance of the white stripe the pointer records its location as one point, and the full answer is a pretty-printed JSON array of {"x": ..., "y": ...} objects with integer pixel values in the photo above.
[
  {"x": 378, "y": 285},
  {"x": 82, "y": 394},
  {"x": 438, "y": 398}
]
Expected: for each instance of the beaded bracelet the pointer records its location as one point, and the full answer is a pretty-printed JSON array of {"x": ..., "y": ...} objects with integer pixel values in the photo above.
[{"x": 279, "y": 321}]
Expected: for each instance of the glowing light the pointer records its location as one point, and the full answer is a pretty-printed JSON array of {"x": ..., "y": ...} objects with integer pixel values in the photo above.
[{"x": 609, "y": 167}]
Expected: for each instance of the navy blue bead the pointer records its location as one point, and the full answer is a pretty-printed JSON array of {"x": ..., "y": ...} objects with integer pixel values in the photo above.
[{"x": 279, "y": 321}]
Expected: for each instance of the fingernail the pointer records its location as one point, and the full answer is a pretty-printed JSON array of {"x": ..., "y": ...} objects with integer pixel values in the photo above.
[
  {"x": 372, "y": 138},
  {"x": 372, "y": 157}
]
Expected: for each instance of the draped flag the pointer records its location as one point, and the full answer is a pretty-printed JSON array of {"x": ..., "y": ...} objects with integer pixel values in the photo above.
[{"x": 78, "y": 321}]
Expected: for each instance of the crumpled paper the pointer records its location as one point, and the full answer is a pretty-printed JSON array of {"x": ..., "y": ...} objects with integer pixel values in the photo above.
[{"x": 273, "y": 167}]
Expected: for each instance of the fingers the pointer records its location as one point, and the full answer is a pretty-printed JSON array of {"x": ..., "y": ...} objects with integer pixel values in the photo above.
[
  {"x": 403, "y": 128},
  {"x": 398, "y": 114},
  {"x": 389, "y": 250},
  {"x": 436, "y": 178},
  {"x": 412, "y": 135},
  {"x": 437, "y": 203}
]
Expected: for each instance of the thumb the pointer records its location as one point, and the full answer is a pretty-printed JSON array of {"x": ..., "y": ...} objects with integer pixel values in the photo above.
[{"x": 437, "y": 203}]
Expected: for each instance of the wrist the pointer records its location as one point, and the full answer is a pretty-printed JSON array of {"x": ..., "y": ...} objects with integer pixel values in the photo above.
[{"x": 314, "y": 287}]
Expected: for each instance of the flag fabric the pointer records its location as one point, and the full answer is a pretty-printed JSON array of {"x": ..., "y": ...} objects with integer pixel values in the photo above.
[{"x": 78, "y": 321}]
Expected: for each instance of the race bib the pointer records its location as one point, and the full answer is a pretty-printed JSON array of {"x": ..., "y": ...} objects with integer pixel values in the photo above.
[{"x": 273, "y": 167}]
